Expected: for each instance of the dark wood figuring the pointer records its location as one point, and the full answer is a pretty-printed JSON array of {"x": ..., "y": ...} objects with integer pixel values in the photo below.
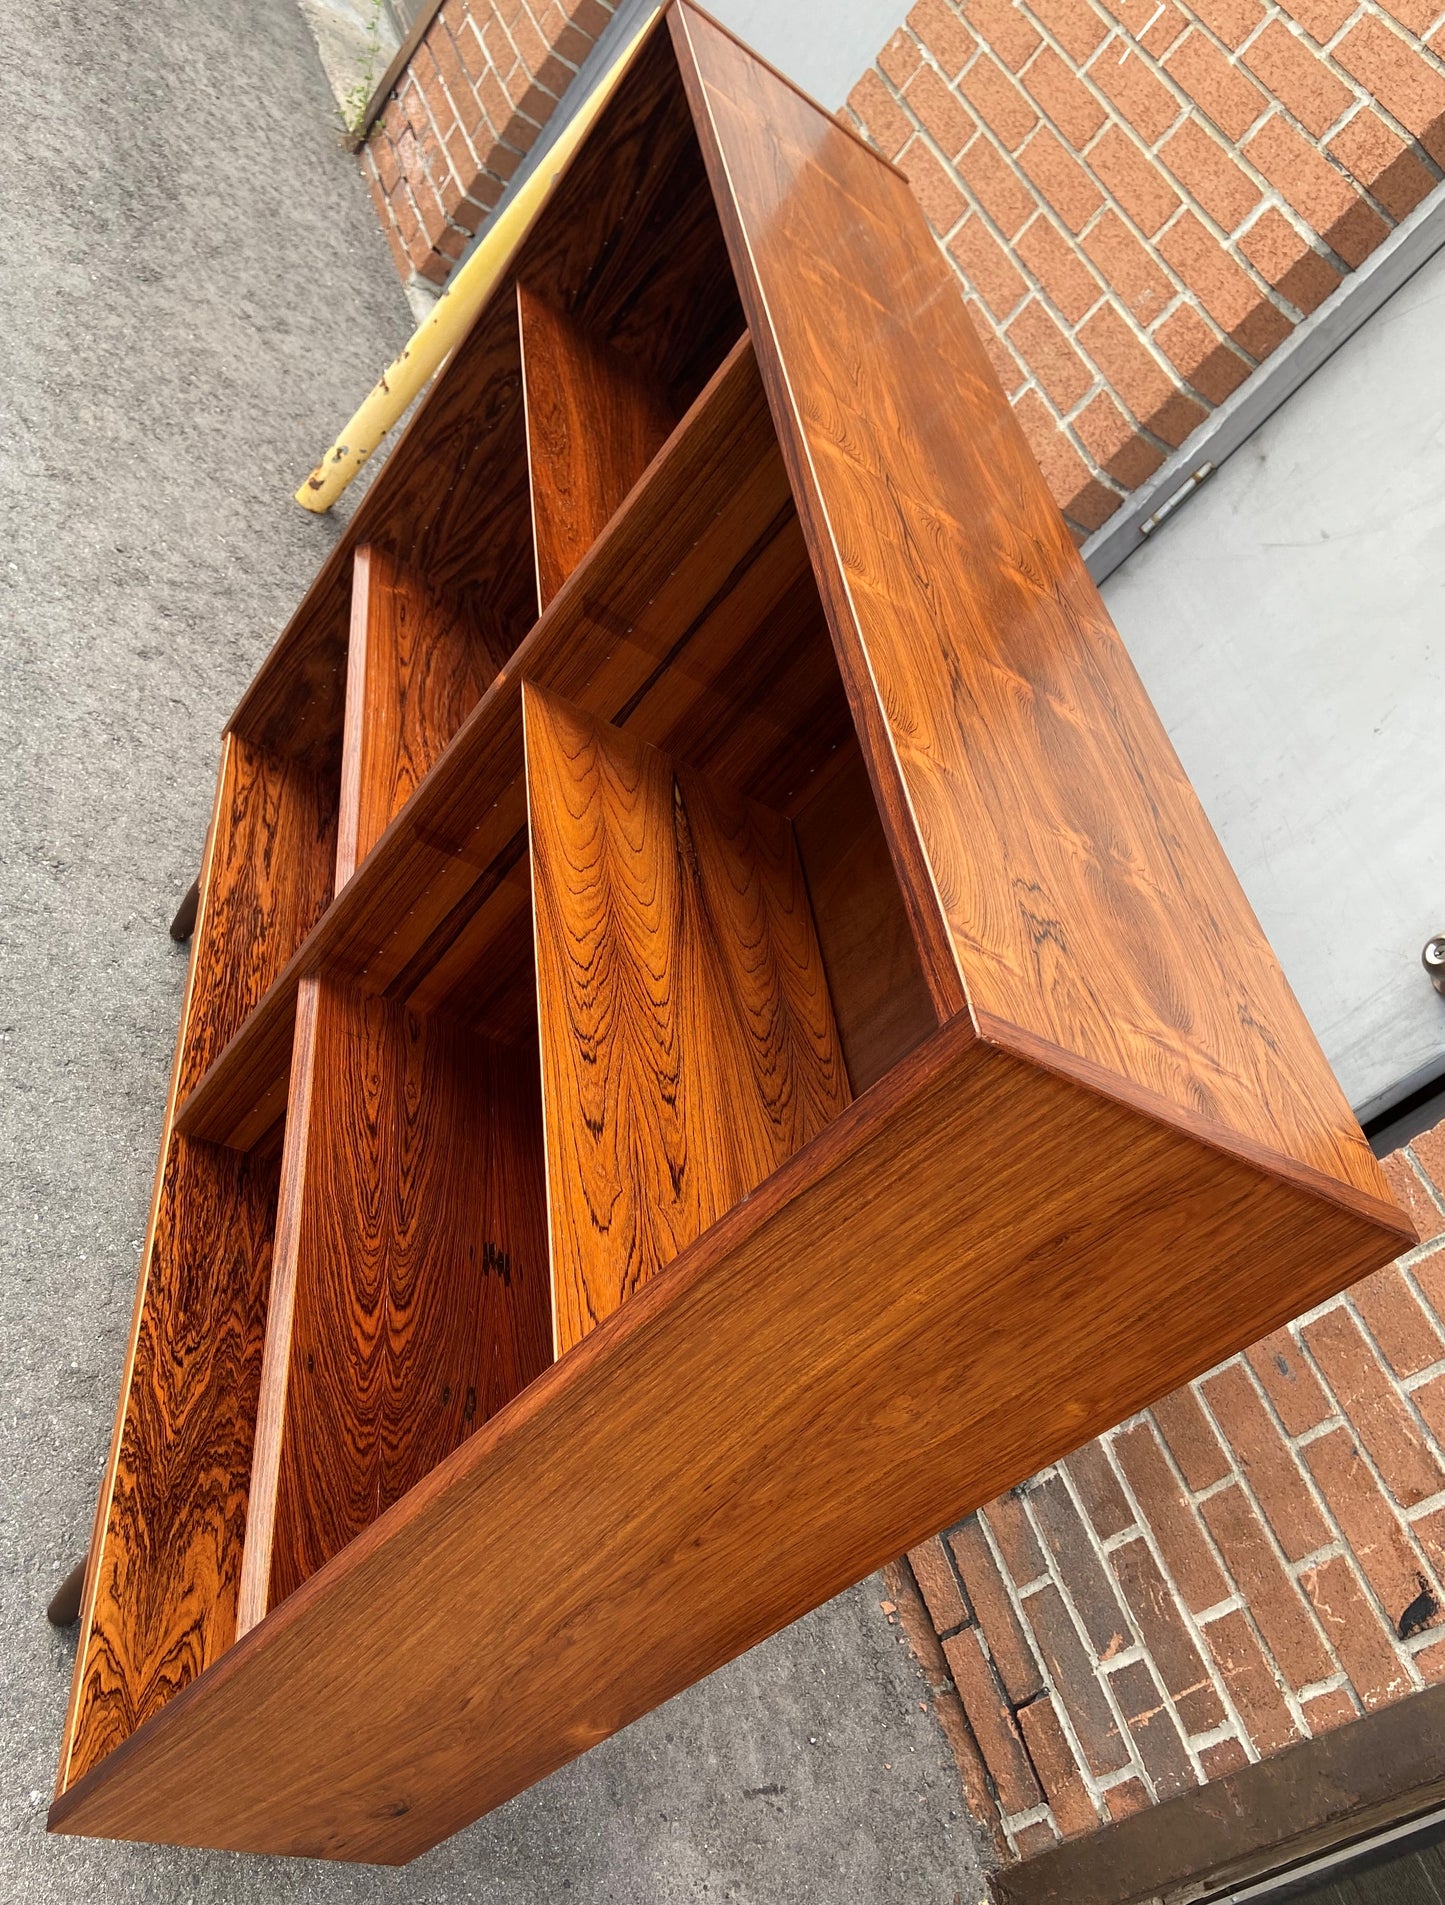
[
  {"x": 595, "y": 420},
  {"x": 1069, "y": 880},
  {"x": 629, "y": 241},
  {"x": 688, "y": 1043},
  {"x": 410, "y": 1298},
  {"x": 921, "y": 1307},
  {"x": 159, "y": 1600},
  {"x": 700, "y": 528},
  {"x": 874, "y": 977},
  {"x": 453, "y": 504},
  {"x": 415, "y": 670}
]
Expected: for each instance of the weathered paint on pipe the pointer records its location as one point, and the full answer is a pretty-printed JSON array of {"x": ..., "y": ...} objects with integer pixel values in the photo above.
[{"x": 451, "y": 317}]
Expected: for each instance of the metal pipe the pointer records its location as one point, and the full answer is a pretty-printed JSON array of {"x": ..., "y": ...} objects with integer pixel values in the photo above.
[{"x": 451, "y": 317}]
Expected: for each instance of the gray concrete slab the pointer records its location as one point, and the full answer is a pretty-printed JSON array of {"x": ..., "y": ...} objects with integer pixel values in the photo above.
[{"x": 192, "y": 294}]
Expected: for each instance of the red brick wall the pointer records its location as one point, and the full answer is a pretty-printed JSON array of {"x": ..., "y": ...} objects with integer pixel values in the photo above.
[
  {"x": 1257, "y": 1559},
  {"x": 476, "y": 93},
  {"x": 1144, "y": 197}
]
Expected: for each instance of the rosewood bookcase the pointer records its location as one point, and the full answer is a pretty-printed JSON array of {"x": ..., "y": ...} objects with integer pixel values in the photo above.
[{"x": 718, "y": 1036}]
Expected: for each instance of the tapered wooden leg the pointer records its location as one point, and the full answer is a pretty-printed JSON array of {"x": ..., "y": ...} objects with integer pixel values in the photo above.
[
  {"x": 63, "y": 1607},
  {"x": 184, "y": 922}
]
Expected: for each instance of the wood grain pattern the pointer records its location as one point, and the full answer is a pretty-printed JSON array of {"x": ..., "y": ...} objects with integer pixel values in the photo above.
[
  {"x": 453, "y": 501},
  {"x": 880, "y": 998},
  {"x": 798, "y": 1396},
  {"x": 410, "y": 1299},
  {"x": 1074, "y": 888},
  {"x": 415, "y": 670},
  {"x": 688, "y": 1043},
  {"x": 712, "y": 504},
  {"x": 159, "y": 1602},
  {"x": 271, "y": 878},
  {"x": 628, "y": 240},
  {"x": 595, "y": 420}
]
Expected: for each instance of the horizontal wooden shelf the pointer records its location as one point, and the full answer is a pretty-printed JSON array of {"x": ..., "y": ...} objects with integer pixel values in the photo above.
[{"x": 718, "y": 1035}]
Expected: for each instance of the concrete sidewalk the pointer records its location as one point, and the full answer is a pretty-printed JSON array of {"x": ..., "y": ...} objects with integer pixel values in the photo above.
[{"x": 193, "y": 294}]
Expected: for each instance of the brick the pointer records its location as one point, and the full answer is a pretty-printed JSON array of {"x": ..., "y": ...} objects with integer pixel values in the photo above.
[
  {"x": 1135, "y": 182},
  {"x": 1286, "y": 259},
  {"x": 1010, "y": 373},
  {"x": 997, "y": 187},
  {"x": 998, "y": 102},
  {"x": 1224, "y": 1757},
  {"x": 943, "y": 204},
  {"x": 1079, "y": 494},
  {"x": 938, "y": 26},
  {"x": 992, "y": 1723},
  {"x": 1170, "y": 1517},
  {"x": 1289, "y": 1382},
  {"x": 1078, "y": 1566},
  {"x": 1060, "y": 178},
  {"x": 1098, "y": 1489},
  {"x": 1299, "y": 77},
  {"x": 1267, "y": 1461},
  {"x": 454, "y": 76},
  {"x": 1064, "y": 98},
  {"x": 938, "y": 1585},
  {"x": 1218, "y": 88},
  {"x": 1013, "y": 1532},
  {"x": 1116, "y": 443},
  {"x": 1130, "y": 84},
  {"x": 1151, "y": 1726},
  {"x": 1164, "y": 29},
  {"x": 900, "y": 59},
  {"x": 1429, "y": 1399},
  {"x": 1149, "y": 391},
  {"x": 1257, "y": 1699},
  {"x": 1430, "y": 1663},
  {"x": 986, "y": 267},
  {"x": 1129, "y": 268},
  {"x": 1078, "y": 29},
  {"x": 1004, "y": 27},
  {"x": 1382, "y": 163},
  {"x": 1400, "y": 1325},
  {"x": 1369, "y": 1399},
  {"x": 1209, "y": 175},
  {"x": 1366, "y": 1652},
  {"x": 388, "y": 225},
  {"x": 939, "y": 112},
  {"x": 1190, "y": 1439},
  {"x": 1322, "y": 196},
  {"x": 1328, "y": 1710},
  {"x": 1416, "y": 16},
  {"x": 1007, "y": 1645},
  {"x": 1206, "y": 361},
  {"x": 1129, "y": 1796},
  {"x": 1372, "y": 1530},
  {"x": 1403, "y": 82},
  {"x": 1167, "y": 1640},
  {"x": 882, "y": 118},
  {"x": 1230, "y": 20},
  {"x": 1279, "y": 1609},
  {"x": 1057, "y": 1769},
  {"x": 1055, "y": 261},
  {"x": 1076, "y": 1682},
  {"x": 1413, "y": 1196},
  {"x": 1036, "y": 1837},
  {"x": 1428, "y": 1152},
  {"x": 1321, "y": 19},
  {"x": 1061, "y": 372},
  {"x": 1227, "y": 292}
]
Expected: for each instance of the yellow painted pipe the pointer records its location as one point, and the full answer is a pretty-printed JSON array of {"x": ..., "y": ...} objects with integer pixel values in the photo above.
[{"x": 451, "y": 317}]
